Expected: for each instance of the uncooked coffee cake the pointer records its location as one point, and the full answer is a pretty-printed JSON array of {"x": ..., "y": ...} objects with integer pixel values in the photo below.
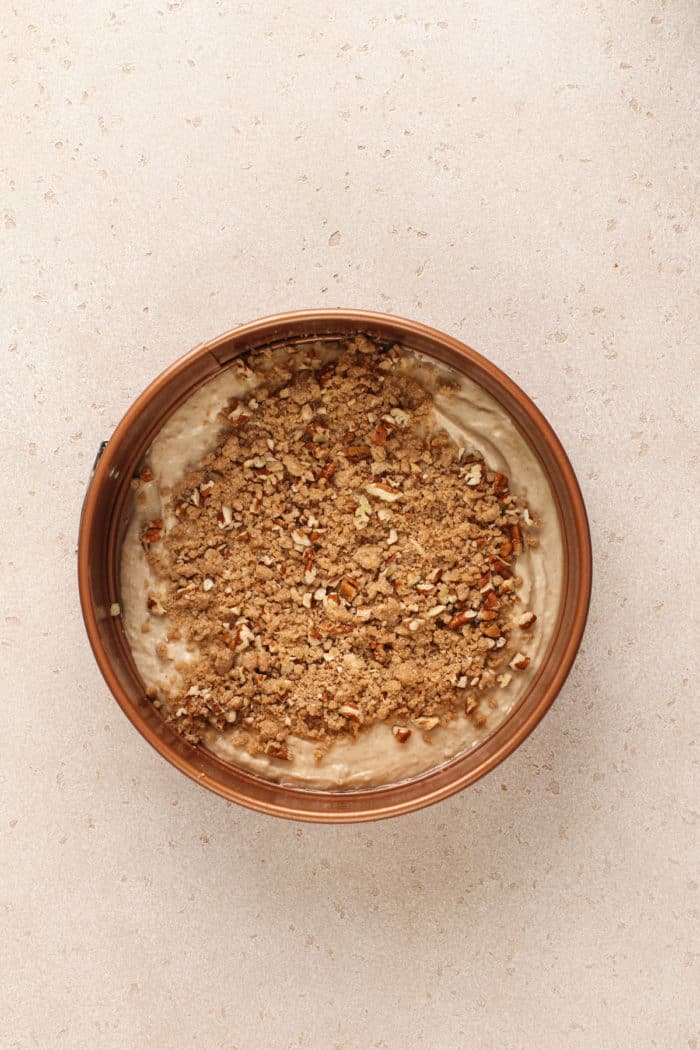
[{"x": 330, "y": 577}]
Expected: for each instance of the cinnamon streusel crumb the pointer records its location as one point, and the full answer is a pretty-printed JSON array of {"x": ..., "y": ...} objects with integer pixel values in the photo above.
[{"x": 338, "y": 560}]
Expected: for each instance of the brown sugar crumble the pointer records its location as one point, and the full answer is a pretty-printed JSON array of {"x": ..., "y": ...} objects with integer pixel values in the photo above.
[{"x": 338, "y": 560}]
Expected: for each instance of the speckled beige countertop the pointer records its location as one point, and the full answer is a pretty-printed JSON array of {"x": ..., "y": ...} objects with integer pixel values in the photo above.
[{"x": 521, "y": 174}]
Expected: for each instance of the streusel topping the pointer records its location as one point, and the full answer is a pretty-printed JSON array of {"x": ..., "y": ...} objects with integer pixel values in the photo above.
[{"x": 338, "y": 560}]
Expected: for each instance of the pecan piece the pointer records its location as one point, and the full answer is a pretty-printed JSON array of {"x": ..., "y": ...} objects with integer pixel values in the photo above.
[
  {"x": 348, "y": 588},
  {"x": 153, "y": 533},
  {"x": 351, "y": 712},
  {"x": 380, "y": 435},
  {"x": 516, "y": 535},
  {"x": 357, "y": 452}
]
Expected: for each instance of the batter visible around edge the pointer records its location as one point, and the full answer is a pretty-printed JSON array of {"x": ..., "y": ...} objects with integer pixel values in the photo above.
[{"x": 474, "y": 420}]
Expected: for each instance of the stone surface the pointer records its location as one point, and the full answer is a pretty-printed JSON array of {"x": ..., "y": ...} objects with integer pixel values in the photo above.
[{"x": 519, "y": 174}]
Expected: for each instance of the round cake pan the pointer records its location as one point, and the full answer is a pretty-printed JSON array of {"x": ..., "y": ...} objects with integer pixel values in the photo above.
[{"x": 105, "y": 516}]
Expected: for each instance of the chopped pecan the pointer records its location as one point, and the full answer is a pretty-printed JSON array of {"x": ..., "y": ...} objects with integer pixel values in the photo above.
[
  {"x": 356, "y": 452},
  {"x": 348, "y": 588},
  {"x": 516, "y": 535},
  {"x": 380, "y": 435},
  {"x": 152, "y": 533}
]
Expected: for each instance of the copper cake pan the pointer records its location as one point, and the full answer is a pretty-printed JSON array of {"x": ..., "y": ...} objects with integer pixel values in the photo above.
[{"x": 105, "y": 515}]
